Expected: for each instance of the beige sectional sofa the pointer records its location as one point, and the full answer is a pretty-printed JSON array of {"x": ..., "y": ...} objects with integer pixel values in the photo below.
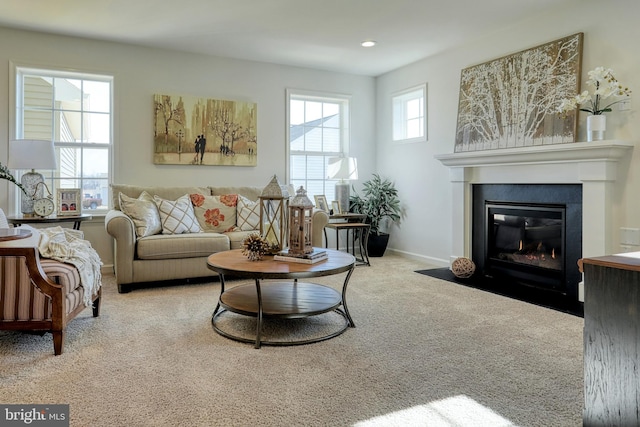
[{"x": 159, "y": 257}]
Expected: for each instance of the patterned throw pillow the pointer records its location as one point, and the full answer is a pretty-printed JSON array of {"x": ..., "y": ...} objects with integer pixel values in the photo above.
[
  {"x": 143, "y": 212},
  {"x": 177, "y": 216},
  {"x": 215, "y": 213},
  {"x": 248, "y": 214}
]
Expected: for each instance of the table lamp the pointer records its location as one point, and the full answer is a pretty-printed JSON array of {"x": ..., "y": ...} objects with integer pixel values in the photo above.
[
  {"x": 343, "y": 169},
  {"x": 31, "y": 154}
]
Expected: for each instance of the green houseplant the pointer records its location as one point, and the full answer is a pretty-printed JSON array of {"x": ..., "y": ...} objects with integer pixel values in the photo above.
[
  {"x": 380, "y": 202},
  {"x": 6, "y": 174}
]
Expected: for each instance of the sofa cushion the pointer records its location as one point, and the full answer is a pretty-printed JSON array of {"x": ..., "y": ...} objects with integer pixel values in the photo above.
[
  {"x": 175, "y": 246},
  {"x": 169, "y": 193},
  {"x": 251, "y": 193},
  {"x": 248, "y": 215},
  {"x": 236, "y": 238},
  {"x": 66, "y": 275},
  {"x": 215, "y": 213},
  {"x": 143, "y": 212},
  {"x": 177, "y": 216}
]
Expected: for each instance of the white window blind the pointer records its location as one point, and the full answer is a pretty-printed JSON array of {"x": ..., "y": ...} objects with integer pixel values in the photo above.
[
  {"x": 318, "y": 128},
  {"x": 75, "y": 111}
]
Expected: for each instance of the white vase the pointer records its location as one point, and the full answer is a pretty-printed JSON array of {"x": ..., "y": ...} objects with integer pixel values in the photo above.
[{"x": 596, "y": 125}]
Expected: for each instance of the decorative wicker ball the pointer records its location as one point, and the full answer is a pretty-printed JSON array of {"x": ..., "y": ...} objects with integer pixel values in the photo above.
[{"x": 463, "y": 268}]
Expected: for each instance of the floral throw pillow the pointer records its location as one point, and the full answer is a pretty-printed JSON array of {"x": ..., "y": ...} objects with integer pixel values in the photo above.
[
  {"x": 177, "y": 216},
  {"x": 215, "y": 213},
  {"x": 248, "y": 214},
  {"x": 143, "y": 212}
]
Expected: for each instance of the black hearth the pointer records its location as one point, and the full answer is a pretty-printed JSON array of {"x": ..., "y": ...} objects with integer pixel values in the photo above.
[{"x": 529, "y": 234}]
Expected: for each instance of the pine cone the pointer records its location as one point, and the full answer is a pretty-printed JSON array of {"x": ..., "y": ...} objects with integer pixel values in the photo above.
[{"x": 254, "y": 247}]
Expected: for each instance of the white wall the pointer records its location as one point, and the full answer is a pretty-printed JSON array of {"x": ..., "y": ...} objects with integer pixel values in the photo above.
[
  {"x": 611, "y": 35},
  {"x": 141, "y": 72},
  {"x": 610, "y": 40}
]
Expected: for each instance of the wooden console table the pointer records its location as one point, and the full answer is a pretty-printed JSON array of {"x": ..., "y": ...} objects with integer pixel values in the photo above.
[
  {"x": 612, "y": 340},
  {"x": 18, "y": 220}
]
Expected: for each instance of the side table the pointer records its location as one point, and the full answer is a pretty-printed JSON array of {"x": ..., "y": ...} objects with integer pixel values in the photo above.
[
  {"x": 17, "y": 220},
  {"x": 359, "y": 231}
]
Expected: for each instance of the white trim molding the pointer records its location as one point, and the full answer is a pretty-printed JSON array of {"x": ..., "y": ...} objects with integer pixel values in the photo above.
[{"x": 592, "y": 164}]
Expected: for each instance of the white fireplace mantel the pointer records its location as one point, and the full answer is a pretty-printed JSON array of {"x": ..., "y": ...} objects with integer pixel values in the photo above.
[
  {"x": 592, "y": 164},
  {"x": 559, "y": 153}
]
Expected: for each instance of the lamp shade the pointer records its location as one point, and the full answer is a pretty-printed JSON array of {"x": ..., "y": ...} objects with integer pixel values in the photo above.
[
  {"x": 342, "y": 168},
  {"x": 31, "y": 154}
]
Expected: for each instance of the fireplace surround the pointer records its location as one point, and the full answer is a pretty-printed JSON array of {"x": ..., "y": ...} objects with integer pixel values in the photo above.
[{"x": 591, "y": 165}]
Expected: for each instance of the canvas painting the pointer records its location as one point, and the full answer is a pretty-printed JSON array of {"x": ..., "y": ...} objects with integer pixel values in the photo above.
[
  {"x": 199, "y": 131},
  {"x": 513, "y": 101}
]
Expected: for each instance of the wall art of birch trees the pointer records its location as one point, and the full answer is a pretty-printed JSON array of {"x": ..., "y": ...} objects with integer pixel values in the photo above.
[{"x": 513, "y": 101}]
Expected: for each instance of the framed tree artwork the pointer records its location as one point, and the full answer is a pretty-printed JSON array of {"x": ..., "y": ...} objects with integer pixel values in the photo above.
[
  {"x": 198, "y": 131},
  {"x": 513, "y": 101}
]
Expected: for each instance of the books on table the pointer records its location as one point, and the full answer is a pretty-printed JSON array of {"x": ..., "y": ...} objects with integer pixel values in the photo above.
[{"x": 311, "y": 258}]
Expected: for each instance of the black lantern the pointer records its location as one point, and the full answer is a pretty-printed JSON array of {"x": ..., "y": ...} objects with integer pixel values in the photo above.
[
  {"x": 300, "y": 223},
  {"x": 272, "y": 215}
]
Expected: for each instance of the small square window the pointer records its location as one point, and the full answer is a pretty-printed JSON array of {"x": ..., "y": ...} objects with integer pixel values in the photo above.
[{"x": 410, "y": 115}]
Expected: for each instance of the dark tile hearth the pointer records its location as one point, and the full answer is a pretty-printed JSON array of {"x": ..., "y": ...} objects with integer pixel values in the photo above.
[{"x": 533, "y": 295}]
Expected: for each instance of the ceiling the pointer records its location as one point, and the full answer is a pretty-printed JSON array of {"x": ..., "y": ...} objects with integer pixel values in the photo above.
[{"x": 319, "y": 34}]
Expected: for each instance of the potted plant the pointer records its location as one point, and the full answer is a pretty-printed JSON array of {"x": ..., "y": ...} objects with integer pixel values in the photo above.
[{"x": 380, "y": 202}]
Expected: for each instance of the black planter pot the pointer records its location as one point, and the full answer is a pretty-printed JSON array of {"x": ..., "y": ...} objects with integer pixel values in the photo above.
[{"x": 377, "y": 244}]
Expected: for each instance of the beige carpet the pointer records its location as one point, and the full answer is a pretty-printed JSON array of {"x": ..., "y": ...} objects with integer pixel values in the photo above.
[{"x": 424, "y": 352}]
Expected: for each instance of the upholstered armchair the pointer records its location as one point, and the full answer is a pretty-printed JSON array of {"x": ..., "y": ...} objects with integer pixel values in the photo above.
[{"x": 39, "y": 294}]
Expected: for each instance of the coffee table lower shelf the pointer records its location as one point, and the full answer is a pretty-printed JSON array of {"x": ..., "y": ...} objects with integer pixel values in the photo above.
[
  {"x": 278, "y": 292},
  {"x": 285, "y": 300}
]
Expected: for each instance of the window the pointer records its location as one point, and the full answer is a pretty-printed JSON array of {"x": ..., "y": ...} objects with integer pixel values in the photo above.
[
  {"x": 318, "y": 128},
  {"x": 75, "y": 111},
  {"x": 409, "y": 115}
]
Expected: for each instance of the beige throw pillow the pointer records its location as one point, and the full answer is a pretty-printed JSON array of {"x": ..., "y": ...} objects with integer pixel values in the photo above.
[
  {"x": 143, "y": 212},
  {"x": 215, "y": 213},
  {"x": 177, "y": 216},
  {"x": 248, "y": 214}
]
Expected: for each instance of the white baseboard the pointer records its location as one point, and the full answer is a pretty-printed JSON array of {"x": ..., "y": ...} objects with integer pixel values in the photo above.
[
  {"x": 429, "y": 260},
  {"x": 107, "y": 269}
]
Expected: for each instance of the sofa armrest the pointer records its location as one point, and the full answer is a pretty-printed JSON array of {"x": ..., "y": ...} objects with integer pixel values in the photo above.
[
  {"x": 320, "y": 218},
  {"x": 121, "y": 228}
]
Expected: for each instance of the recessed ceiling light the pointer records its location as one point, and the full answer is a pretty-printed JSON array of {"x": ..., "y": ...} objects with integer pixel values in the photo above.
[{"x": 368, "y": 43}]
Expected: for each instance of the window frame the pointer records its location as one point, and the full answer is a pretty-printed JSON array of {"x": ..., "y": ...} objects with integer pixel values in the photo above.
[
  {"x": 399, "y": 105},
  {"x": 16, "y": 127},
  {"x": 345, "y": 132}
]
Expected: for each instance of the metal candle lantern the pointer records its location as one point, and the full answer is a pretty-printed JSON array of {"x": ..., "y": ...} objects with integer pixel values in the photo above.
[
  {"x": 272, "y": 215},
  {"x": 300, "y": 223}
]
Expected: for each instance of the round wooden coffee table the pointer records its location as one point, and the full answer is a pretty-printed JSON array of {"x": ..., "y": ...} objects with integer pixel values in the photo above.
[{"x": 289, "y": 299}]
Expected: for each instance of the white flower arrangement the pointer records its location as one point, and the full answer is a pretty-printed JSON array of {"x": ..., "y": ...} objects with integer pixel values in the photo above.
[{"x": 605, "y": 86}]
